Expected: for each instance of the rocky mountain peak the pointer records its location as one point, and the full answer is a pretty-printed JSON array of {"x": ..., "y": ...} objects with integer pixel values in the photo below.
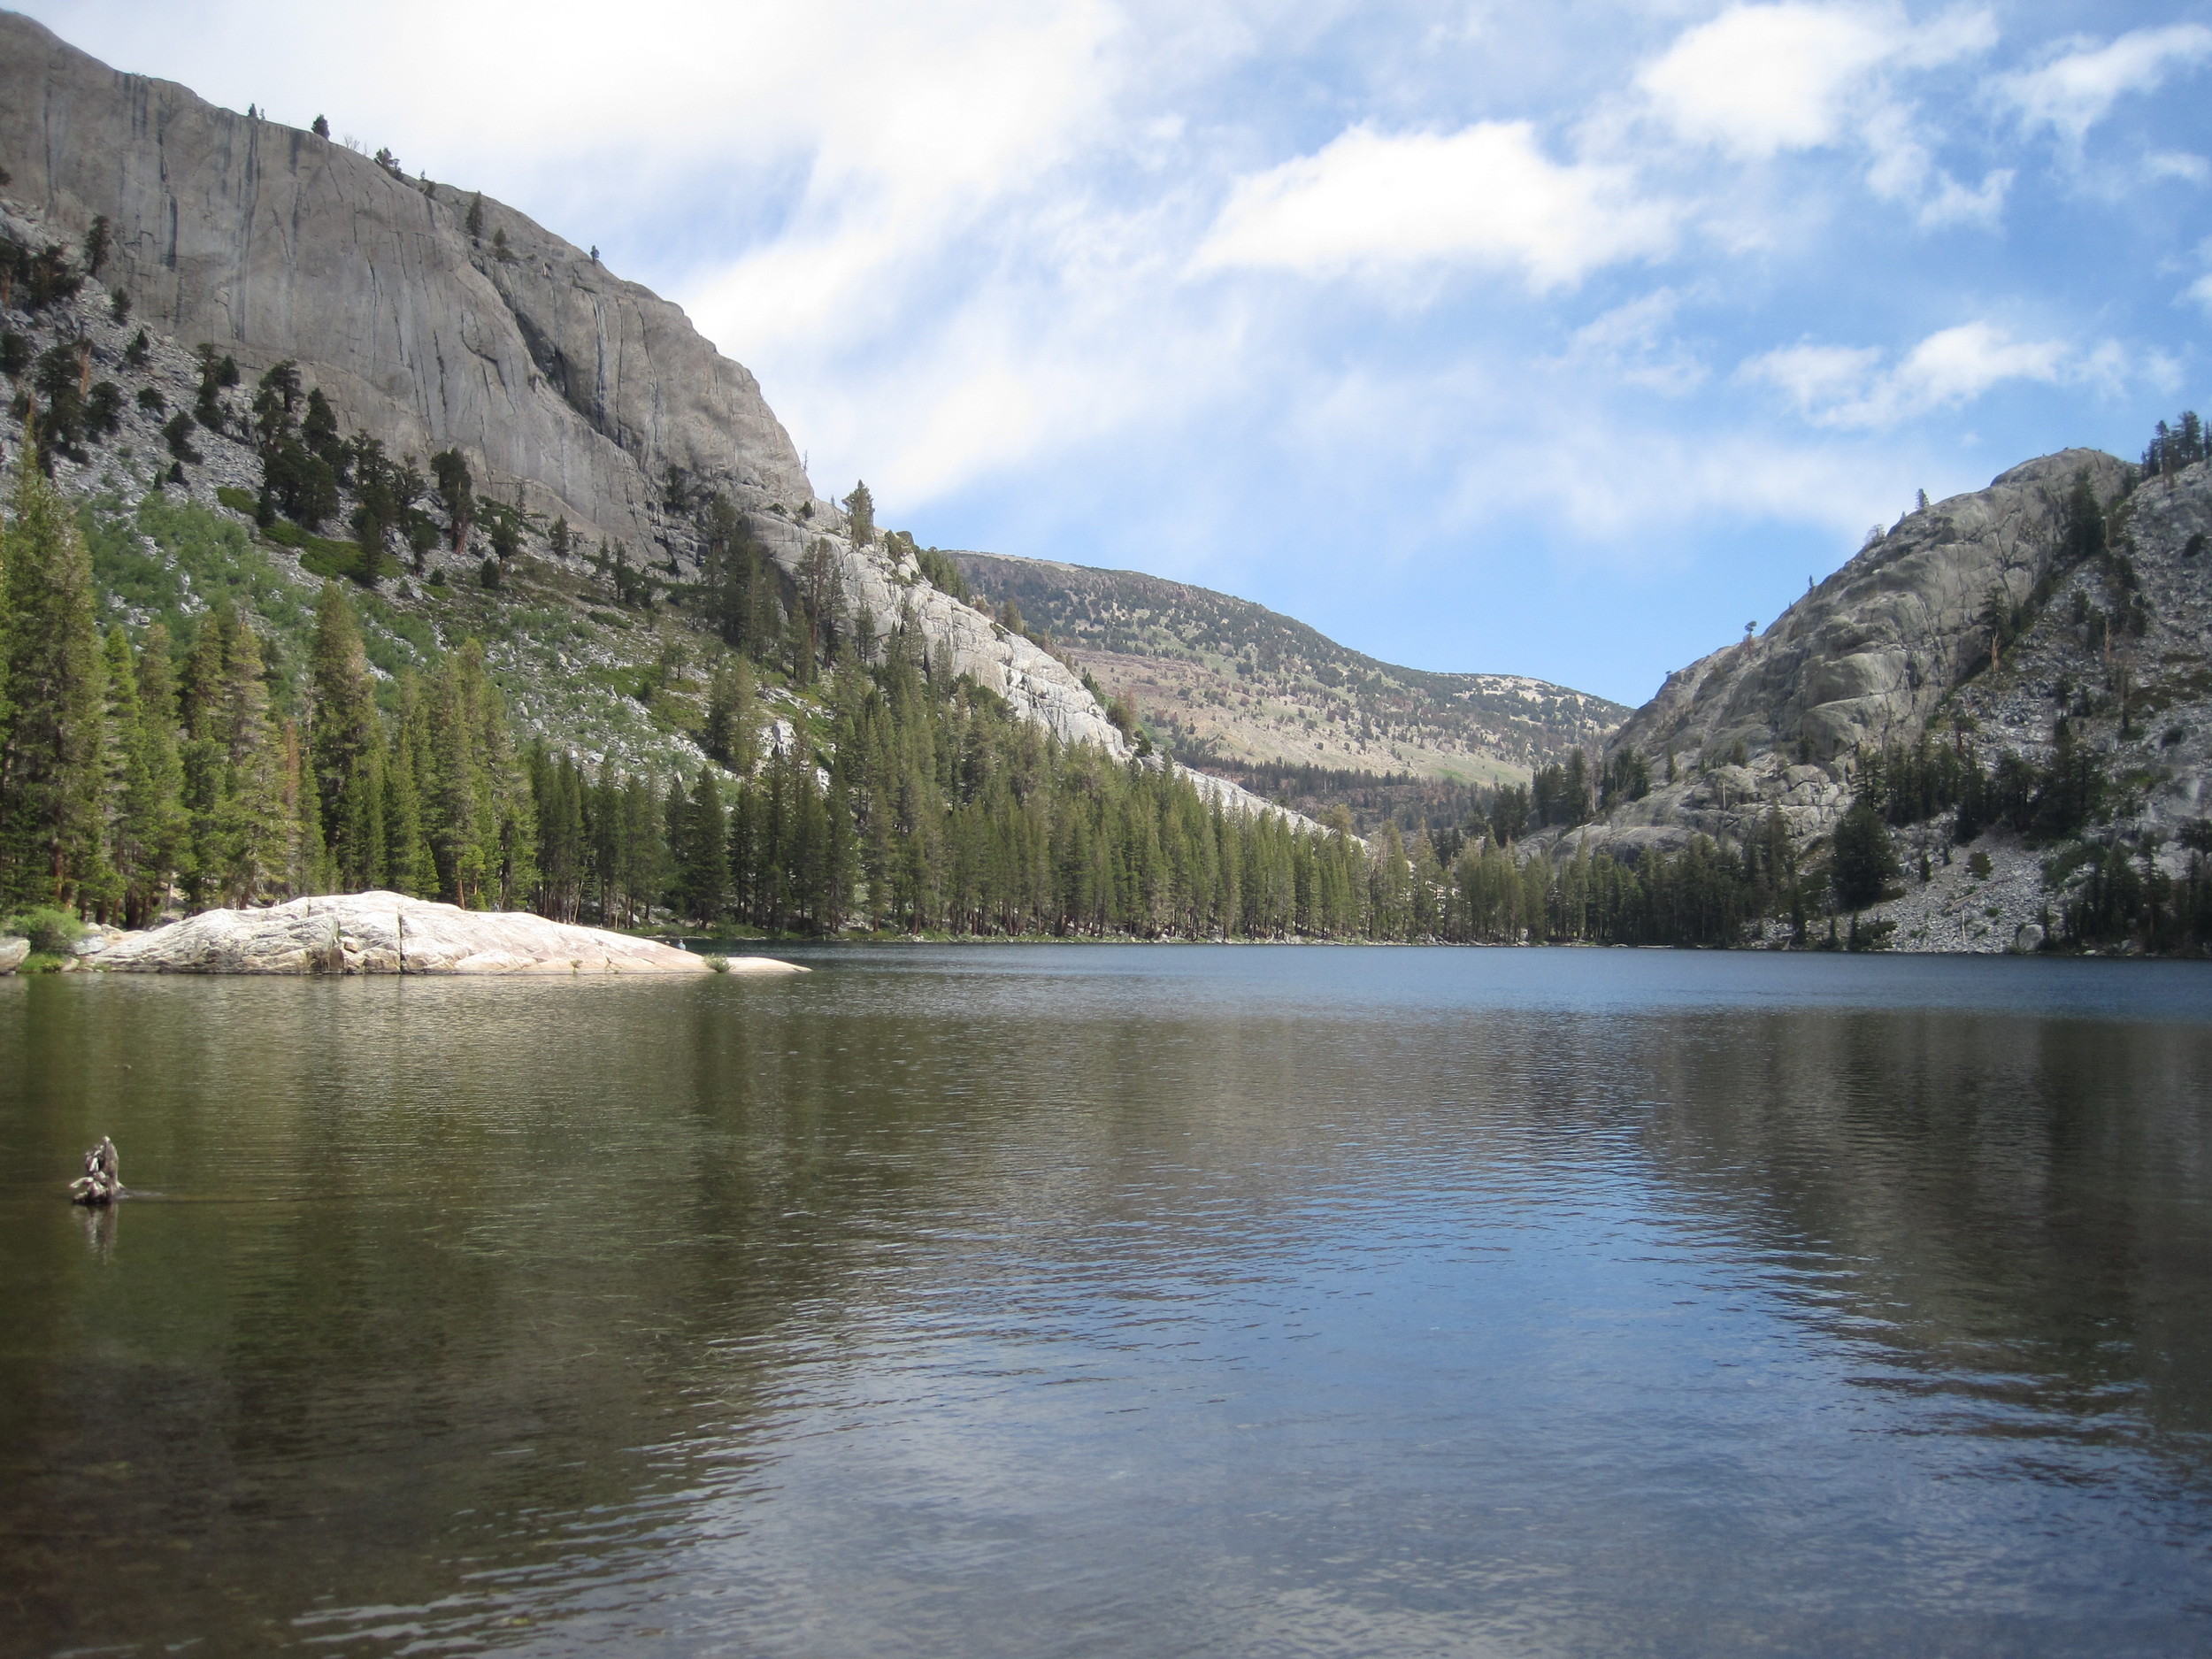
[{"x": 2066, "y": 596}]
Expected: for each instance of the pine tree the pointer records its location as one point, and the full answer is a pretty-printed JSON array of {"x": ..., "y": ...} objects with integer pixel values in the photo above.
[
  {"x": 731, "y": 734},
  {"x": 346, "y": 747},
  {"x": 700, "y": 845},
  {"x": 52, "y": 694},
  {"x": 564, "y": 851},
  {"x": 201, "y": 758},
  {"x": 459, "y": 816},
  {"x": 131, "y": 856},
  {"x": 860, "y": 507},
  {"x": 149, "y": 818},
  {"x": 477, "y": 811},
  {"x": 457, "y": 494},
  {"x": 1865, "y": 859},
  {"x": 253, "y": 830},
  {"x": 410, "y": 867}
]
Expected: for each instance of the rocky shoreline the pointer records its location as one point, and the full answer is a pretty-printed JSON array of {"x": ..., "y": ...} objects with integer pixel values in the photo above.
[{"x": 377, "y": 932}]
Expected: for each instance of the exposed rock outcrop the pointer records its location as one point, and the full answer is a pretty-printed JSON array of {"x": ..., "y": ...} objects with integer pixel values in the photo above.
[
  {"x": 13, "y": 953},
  {"x": 271, "y": 243},
  {"x": 386, "y": 933},
  {"x": 569, "y": 390},
  {"x": 1867, "y": 655},
  {"x": 1904, "y": 634}
]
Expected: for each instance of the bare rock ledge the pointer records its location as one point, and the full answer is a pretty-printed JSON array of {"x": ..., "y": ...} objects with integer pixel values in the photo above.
[{"x": 387, "y": 933}]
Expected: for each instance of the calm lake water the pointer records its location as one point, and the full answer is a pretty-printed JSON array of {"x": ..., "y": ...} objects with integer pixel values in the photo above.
[{"x": 1116, "y": 1301}]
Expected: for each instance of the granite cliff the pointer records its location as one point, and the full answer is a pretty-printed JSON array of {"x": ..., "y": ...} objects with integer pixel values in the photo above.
[
  {"x": 572, "y": 394},
  {"x": 2063, "y": 615}
]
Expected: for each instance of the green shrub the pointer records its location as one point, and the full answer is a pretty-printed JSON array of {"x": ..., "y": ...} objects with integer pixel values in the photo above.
[
  {"x": 720, "y": 965},
  {"x": 50, "y": 932},
  {"x": 237, "y": 499},
  {"x": 319, "y": 556}
]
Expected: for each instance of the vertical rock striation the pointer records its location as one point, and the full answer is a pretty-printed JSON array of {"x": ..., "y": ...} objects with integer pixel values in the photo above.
[{"x": 570, "y": 390}]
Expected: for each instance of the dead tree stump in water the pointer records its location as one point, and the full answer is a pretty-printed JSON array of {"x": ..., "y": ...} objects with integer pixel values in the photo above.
[{"x": 102, "y": 1182}]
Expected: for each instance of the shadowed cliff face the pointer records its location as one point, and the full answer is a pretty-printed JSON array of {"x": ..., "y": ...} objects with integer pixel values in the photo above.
[{"x": 274, "y": 243}]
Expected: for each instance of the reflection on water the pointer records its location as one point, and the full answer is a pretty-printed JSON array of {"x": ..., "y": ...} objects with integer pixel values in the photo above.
[{"x": 1038, "y": 1300}]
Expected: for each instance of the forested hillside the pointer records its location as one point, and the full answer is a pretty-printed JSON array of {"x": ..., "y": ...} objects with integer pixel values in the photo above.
[
  {"x": 1232, "y": 687},
  {"x": 1990, "y": 729},
  {"x": 254, "y": 643},
  {"x": 209, "y": 699},
  {"x": 140, "y": 770},
  {"x": 218, "y": 704}
]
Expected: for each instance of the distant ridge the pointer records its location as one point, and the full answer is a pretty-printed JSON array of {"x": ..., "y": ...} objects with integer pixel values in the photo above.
[{"x": 1223, "y": 680}]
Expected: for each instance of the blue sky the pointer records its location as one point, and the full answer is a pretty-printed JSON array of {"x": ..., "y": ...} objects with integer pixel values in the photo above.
[{"x": 1558, "y": 338}]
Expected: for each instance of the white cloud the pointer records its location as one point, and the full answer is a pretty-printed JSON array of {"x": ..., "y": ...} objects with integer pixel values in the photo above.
[
  {"x": 1760, "y": 80},
  {"x": 1952, "y": 204},
  {"x": 1843, "y": 386},
  {"x": 1636, "y": 344},
  {"x": 2076, "y": 91},
  {"x": 1902, "y": 171},
  {"x": 1486, "y": 195}
]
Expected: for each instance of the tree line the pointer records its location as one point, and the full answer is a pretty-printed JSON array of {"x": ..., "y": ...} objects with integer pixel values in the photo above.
[{"x": 133, "y": 769}]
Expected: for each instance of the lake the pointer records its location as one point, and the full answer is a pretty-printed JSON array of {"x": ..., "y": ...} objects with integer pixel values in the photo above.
[{"x": 1116, "y": 1301}]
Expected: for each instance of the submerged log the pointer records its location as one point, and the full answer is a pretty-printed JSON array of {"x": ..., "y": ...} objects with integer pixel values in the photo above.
[{"x": 102, "y": 1182}]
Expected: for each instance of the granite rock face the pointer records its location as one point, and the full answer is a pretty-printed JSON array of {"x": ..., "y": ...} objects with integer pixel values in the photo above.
[
  {"x": 270, "y": 243},
  {"x": 13, "y": 953},
  {"x": 569, "y": 390},
  {"x": 1868, "y": 653},
  {"x": 386, "y": 933},
  {"x": 2116, "y": 648}
]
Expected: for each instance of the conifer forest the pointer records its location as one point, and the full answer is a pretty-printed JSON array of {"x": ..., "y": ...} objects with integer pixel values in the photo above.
[{"x": 177, "y": 766}]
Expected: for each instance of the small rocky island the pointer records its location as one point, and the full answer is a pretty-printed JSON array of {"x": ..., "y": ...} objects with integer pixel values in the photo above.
[{"x": 388, "y": 932}]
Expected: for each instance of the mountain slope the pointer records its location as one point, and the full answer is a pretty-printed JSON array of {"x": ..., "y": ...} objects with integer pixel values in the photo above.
[
  {"x": 571, "y": 394},
  {"x": 2024, "y": 669},
  {"x": 1222, "y": 679}
]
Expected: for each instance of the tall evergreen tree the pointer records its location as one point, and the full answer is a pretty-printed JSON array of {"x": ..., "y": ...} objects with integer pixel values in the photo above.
[
  {"x": 731, "y": 735},
  {"x": 347, "y": 745},
  {"x": 700, "y": 849},
  {"x": 254, "y": 827},
  {"x": 409, "y": 866},
  {"x": 149, "y": 814},
  {"x": 52, "y": 694},
  {"x": 860, "y": 509}
]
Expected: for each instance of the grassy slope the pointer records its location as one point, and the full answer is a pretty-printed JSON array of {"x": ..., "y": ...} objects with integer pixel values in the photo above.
[{"x": 575, "y": 668}]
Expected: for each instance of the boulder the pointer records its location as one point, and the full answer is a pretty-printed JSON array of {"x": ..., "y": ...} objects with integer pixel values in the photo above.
[
  {"x": 388, "y": 932},
  {"x": 13, "y": 953}
]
